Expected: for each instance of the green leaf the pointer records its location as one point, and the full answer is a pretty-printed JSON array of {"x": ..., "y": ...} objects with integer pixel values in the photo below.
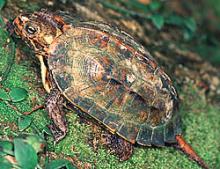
[
  {"x": 187, "y": 34},
  {"x": 47, "y": 131},
  {"x": 2, "y": 3},
  {"x": 24, "y": 122},
  {"x": 37, "y": 143},
  {"x": 6, "y": 147},
  {"x": 70, "y": 166},
  {"x": 157, "y": 20},
  {"x": 18, "y": 94},
  {"x": 175, "y": 20},
  {"x": 137, "y": 5},
  {"x": 154, "y": 5},
  {"x": 4, "y": 95},
  {"x": 5, "y": 164},
  {"x": 190, "y": 24},
  {"x": 58, "y": 164},
  {"x": 25, "y": 154}
]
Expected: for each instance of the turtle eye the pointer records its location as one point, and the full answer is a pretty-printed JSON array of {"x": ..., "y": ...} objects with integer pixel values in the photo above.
[{"x": 30, "y": 29}]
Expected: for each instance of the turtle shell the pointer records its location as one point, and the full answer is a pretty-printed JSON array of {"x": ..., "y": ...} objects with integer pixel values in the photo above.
[{"x": 105, "y": 73}]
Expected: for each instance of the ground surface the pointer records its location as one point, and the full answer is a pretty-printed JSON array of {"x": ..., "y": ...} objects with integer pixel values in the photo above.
[{"x": 196, "y": 79}]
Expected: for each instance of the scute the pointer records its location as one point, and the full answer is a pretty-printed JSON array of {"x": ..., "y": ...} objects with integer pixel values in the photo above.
[
  {"x": 107, "y": 75},
  {"x": 158, "y": 136},
  {"x": 144, "y": 135}
]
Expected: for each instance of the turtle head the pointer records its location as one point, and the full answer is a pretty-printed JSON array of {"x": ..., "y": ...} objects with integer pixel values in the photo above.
[{"x": 39, "y": 29}]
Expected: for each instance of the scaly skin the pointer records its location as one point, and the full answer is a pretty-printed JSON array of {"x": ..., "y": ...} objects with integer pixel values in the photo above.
[{"x": 54, "y": 107}]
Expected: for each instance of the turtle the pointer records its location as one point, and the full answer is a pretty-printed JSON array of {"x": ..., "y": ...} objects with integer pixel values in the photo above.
[{"x": 108, "y": 76}]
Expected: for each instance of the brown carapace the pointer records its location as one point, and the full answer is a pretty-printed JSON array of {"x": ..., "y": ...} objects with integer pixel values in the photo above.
[{"x": 108, "y": 76}]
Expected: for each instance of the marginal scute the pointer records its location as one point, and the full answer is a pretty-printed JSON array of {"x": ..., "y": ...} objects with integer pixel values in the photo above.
[
  {"x": 144, "y": 135},
  {"x": 170, "y": 133},
  {"x": 128, "y": 131},
  {"x": 112, "y": 121},
  {"x": 114, "y": 80},
  {"x": 178, "y": 126},
  {"x": 85, "y": 104},
  {"x": 158, "y": 136},
  {"x": 97, "y": 113}
]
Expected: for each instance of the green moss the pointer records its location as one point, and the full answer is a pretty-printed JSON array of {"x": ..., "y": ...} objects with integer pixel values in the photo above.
[{"x": 201, "y": 124}]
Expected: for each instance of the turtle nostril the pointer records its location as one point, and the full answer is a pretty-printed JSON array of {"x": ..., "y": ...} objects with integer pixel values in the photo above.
[{"x": 20, "y": 21}]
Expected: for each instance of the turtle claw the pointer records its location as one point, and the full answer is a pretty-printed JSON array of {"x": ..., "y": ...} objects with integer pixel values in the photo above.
[{"x": 58, "y": 135}]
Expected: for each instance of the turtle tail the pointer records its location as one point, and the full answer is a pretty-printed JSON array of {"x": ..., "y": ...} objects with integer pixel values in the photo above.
[{"x": 187, "y": 149}]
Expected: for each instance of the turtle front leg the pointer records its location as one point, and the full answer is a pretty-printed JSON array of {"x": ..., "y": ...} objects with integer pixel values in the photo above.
[{"x": 54, "y": 107}]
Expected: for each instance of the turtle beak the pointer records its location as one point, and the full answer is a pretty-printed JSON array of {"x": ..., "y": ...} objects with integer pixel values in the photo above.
[{"x": 17, "y": 25}]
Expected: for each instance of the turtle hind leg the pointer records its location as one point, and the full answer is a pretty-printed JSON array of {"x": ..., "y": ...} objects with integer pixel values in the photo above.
[
  {"x": 118, "y": 146},
  {"x": 187, "y": 149},
  {"x": 54, "y": 107}
]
